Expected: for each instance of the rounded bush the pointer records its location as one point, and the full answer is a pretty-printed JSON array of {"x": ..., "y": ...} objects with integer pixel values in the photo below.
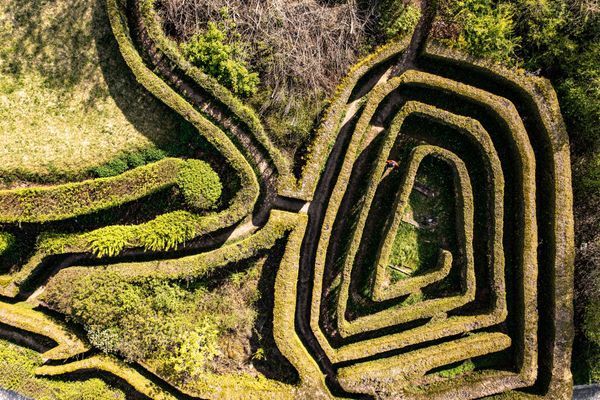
[{"x": 199, "y": 184}]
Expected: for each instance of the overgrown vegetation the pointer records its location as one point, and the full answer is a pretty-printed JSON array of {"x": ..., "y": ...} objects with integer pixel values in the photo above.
[
  {"x": 396, "y": 18},
  {"x": 301, "y": 49},
  {"x": 182, "y": 331},
  {"x": 487, "y": 28},
  {"x": 7, "y": 240}
]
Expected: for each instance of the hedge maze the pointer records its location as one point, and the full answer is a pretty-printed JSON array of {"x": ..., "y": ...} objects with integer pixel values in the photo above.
[{"x": 449, "y": 277}]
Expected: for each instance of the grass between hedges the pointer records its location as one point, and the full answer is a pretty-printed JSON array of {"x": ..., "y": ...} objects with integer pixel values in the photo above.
[{"x": 68, "y": 102}]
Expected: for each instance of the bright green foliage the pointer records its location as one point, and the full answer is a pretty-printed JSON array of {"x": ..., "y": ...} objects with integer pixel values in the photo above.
[
  {"x": 17, "y": 365},
  {"x": 214, "y": 56},
  {"x": 460, "y": 369},
  {"x": 177, "y": 330},
  {"x": 134, "y": 321},
  {"x": 199, "y": 184},
  {"x": 6, "y": 241},
  {"x": 543, "y": 26},
  {"x": 108, "y": 241},
  {"x": 594, "y": 361},
  {"x": 196, "y": 348},
  {"x": 487, "y": 29},
  {"x": 397, "y": 19},
  {"x": 166, "y": 231},
  {"x": 580, "y": 97}
]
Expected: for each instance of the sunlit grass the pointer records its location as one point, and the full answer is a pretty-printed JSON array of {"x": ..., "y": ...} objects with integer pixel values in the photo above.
[{"x": 67, "y": 100}]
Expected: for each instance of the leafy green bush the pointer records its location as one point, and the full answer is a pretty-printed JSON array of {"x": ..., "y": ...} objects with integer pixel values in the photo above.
[
  {"x": 592, "y": 320},
  {"x": 487, "y": 29},
  {"x": 188, "y": 359},
  {"x": 546, "y": 28},
  {"x": 176, "y": 329},
  {"x": 397, "y": 19},
  {"x": 580, "y": 93},
  {"x": 108, "y": 241},
  {"x": 199, "y": 184},
  {"x": 167, "y": 231},
  {"x": 7, "y": 240},
  {"x": 209, "y": 52},
  {"x": 133, "y": 320}
]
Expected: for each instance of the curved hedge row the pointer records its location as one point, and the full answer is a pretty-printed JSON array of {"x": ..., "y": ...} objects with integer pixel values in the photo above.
[
  {"x": 400, "y": 369},
  {"x": 247, "y": 196},
  {"x": 540, "y": 108},
  {"x": 191, "y": 268},
  {"x": 469, "y": 128},
  {"x": 521, "y": 309},
  {"x": 22, "y": 316},
  {"x": 464, "y": 224},
  {"x": 480, "y": 305},
  {"x": 220, "y": 94},
  {"x": 54, "y": 203},
  {"x": 339, "y": 110},
  {"x": 169, "y": 230},
  {"x": 507, "y": 112},
  {"x": 114, "y": 367},
  {"x": 423, "y": 309}
]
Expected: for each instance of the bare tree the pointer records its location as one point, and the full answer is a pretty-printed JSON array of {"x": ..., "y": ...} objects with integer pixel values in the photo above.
[{"x": 300, "y": 47}]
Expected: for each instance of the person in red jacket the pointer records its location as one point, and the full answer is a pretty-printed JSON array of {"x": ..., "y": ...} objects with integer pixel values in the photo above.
[{"x": 391, "y": 164}]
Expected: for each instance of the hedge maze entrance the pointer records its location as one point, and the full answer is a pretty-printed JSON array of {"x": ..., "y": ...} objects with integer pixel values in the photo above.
[{"x": 449, "y": 277}]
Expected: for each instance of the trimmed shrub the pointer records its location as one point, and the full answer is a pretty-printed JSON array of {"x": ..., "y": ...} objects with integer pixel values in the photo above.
[
  {"x": 114, "y": 367},
  {"x": 69, "y": 200},
  {"x": 199, "y": 184},
  {"x": 108, "y": 241},
  {"x": 23, "y": 316}
]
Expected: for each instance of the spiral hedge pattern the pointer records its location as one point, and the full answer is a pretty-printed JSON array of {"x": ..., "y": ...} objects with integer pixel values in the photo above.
[{"x": 349, "y": 314}]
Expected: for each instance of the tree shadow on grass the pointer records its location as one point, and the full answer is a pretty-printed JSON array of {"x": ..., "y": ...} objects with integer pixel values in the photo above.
[
  {"x": 148, "y": 114},
  {"x": 70, "y": 45}
]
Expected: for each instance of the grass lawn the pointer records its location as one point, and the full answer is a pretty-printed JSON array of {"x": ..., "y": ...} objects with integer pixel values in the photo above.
[{"x": 68, "y": 102}]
